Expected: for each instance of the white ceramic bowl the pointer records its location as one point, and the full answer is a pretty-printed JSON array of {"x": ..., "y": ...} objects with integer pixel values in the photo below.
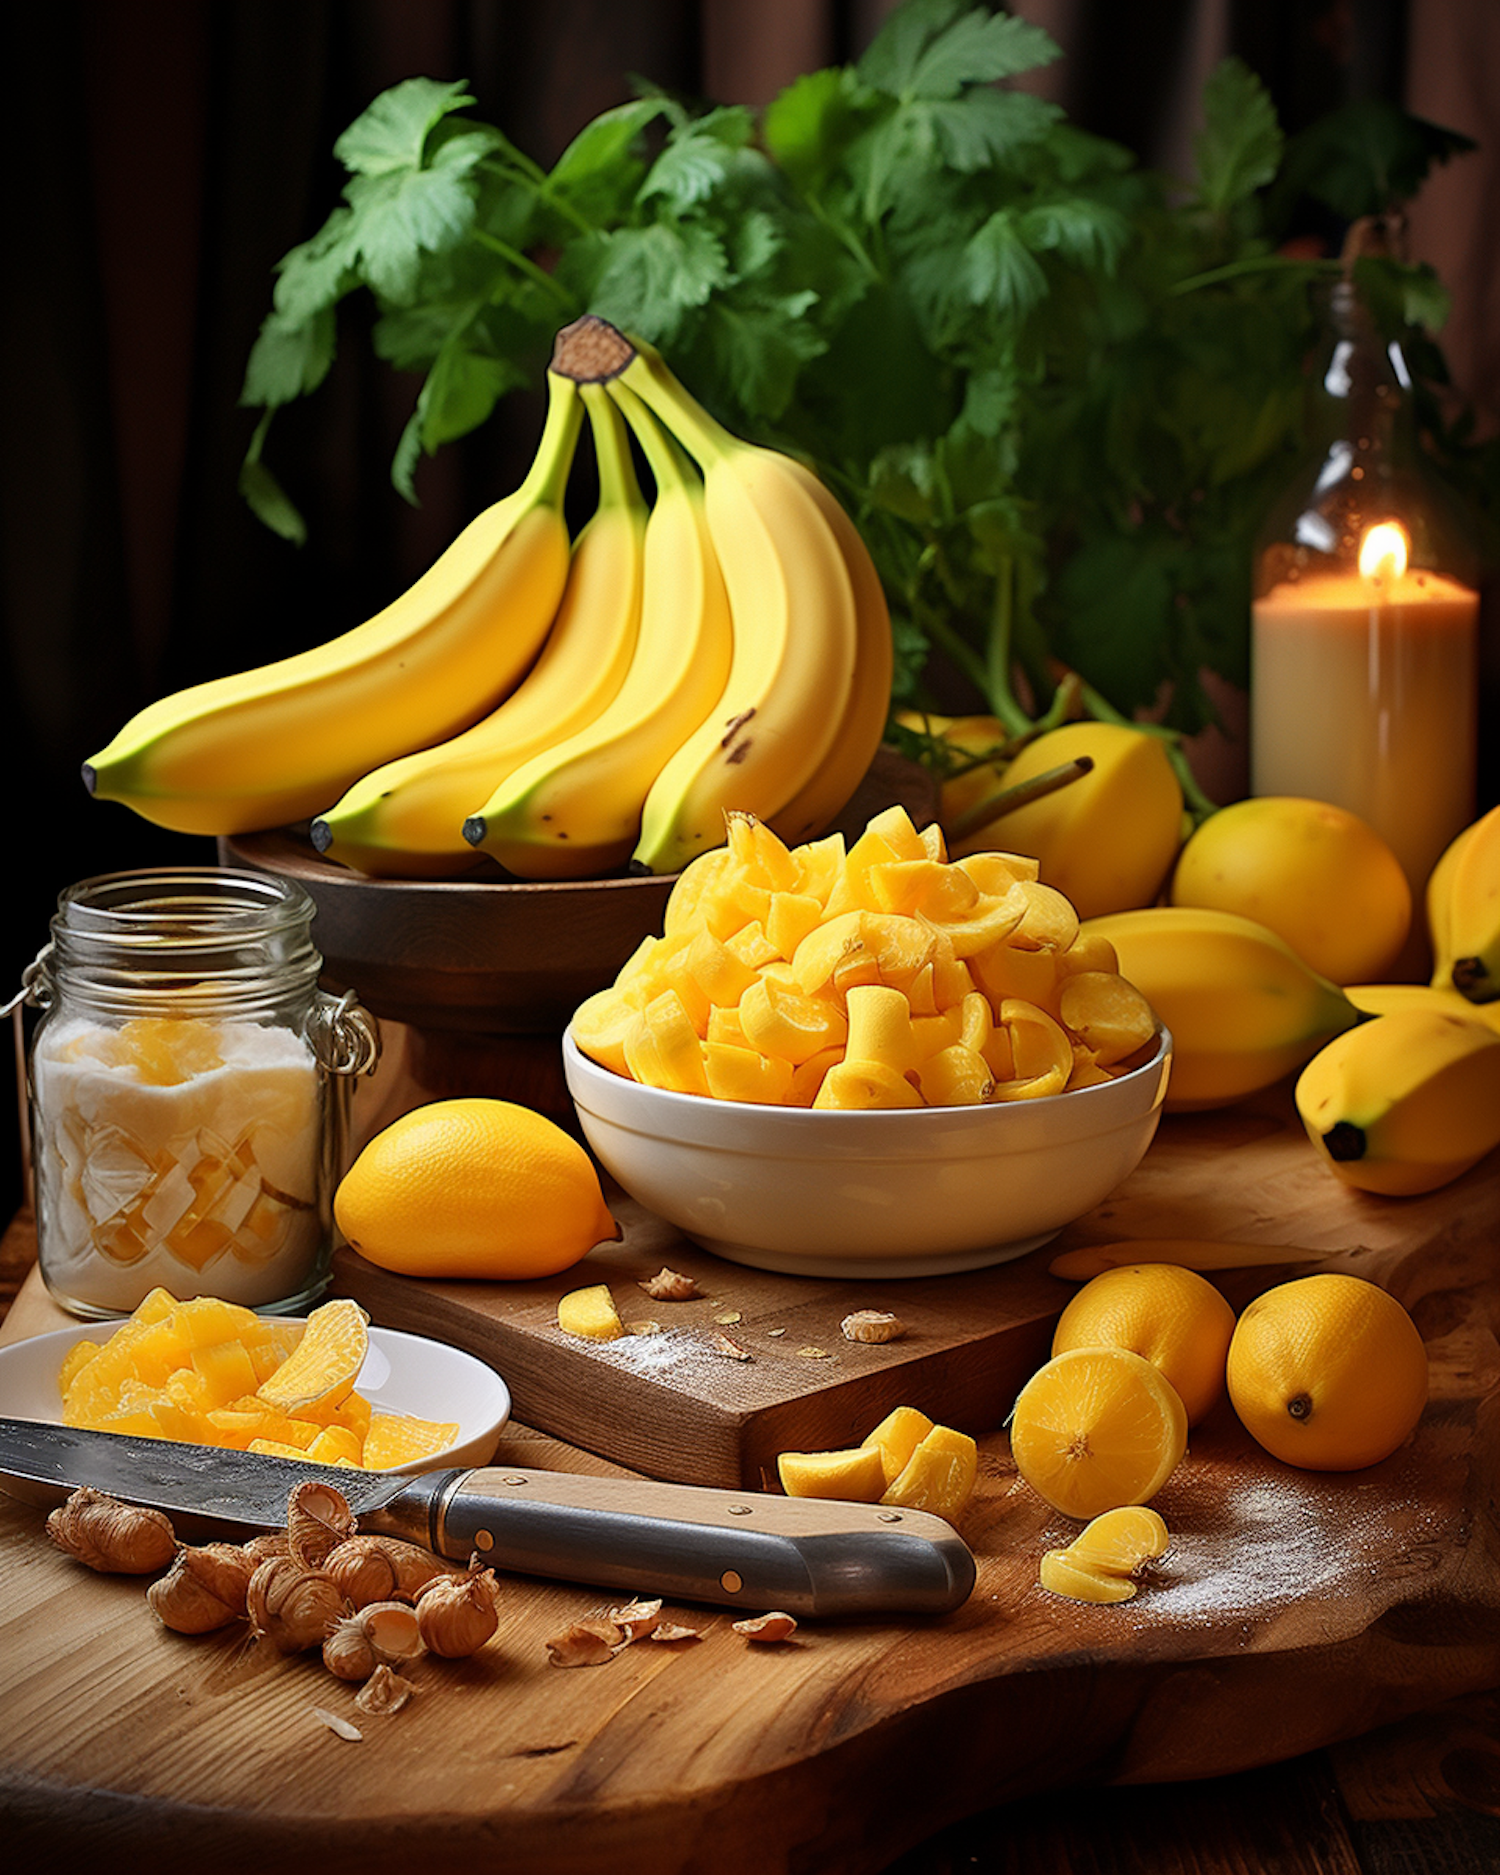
[{"x": 915, "y": 1192}]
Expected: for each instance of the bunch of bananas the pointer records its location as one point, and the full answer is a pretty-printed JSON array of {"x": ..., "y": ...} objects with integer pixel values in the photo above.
[{"x": 565, "y": 707}]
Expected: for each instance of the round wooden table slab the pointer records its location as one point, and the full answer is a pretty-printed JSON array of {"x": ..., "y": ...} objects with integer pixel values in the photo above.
[{"x": 1293, "y": 1610}]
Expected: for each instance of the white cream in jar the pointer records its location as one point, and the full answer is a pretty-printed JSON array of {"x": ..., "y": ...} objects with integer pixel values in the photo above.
[{"x": 182, "y": 1153}]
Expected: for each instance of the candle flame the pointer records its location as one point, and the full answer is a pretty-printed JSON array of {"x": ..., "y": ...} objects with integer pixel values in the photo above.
[{"x": 1383, "y": 551}]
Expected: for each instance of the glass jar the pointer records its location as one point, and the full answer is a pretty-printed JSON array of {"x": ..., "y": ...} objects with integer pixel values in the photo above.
[{"x": 188, "y": 1092}]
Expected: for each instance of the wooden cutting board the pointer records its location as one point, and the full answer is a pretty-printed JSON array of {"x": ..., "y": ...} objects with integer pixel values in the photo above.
[
  {"x": 1292, "y": 1610},
  {"x": 677, "y": 1404}
]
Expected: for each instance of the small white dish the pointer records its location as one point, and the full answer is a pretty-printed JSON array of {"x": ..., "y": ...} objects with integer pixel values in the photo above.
[{"x": 402, "y": 1374}]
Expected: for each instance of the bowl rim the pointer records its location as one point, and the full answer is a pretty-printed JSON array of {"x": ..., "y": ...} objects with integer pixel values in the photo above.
[{"x": 1114, "y": 1092}]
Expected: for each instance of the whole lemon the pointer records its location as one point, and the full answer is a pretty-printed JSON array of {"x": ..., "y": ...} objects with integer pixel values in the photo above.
[
  {"x": 1105, "y": 841},
  {"x": 1169, "y": 1315},
  {"x": 474, "y": 1189},
  {"x": 1320, "y": 877},
  {"x": 1327, "y": 1372}
]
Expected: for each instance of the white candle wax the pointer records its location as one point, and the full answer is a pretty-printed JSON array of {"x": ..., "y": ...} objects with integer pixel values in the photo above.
[{"x": 1364, "y": 694}]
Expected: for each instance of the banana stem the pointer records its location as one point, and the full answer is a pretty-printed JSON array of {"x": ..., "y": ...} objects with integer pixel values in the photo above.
[
  {"x": 547, "y": 479},
  {"x": 618, "y": 487},
  {"x": 666, "y": 461},
  {"x": 1021, "y": 795}
]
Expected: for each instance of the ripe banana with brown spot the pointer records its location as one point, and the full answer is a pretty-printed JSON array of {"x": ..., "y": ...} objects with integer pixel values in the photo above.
[
  {"x": 791, "y": 605},
  {"x": 406, "y": 818},
  {"x": 280, "y": 742},
  {"x": 1463, "y": 912},
  {"x": 1405, "y": 1103},
  {"x": 1243, "y": 1008},
  {"x": 574, "y": 809}
]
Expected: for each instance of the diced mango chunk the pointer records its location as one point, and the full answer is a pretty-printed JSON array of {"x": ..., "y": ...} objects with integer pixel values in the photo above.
[
  {"x": 854, "y": 1475},
  {"x": 590, "y": 1313},
  {"x": 939, "y": 1476}
]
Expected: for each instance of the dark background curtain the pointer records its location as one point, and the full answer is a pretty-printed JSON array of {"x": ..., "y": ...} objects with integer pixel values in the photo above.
[{"x": 160, "y": 157}]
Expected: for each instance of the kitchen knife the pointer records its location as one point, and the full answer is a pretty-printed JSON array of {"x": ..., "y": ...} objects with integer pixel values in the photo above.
[{"x": 742, "y": 1549}]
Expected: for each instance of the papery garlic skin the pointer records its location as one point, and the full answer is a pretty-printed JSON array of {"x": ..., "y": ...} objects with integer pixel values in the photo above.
[
  {"x": 381, "y": 1635},
  {"x": 457, "y": 1614},
  {"x": 113, "y": 1537},
  {"x": 205, "y": 1588},
  {"x": 291, "y": 1607}
]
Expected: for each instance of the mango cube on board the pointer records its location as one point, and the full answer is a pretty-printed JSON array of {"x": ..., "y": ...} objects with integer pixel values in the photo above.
[{"x": 590, "y": 1313}]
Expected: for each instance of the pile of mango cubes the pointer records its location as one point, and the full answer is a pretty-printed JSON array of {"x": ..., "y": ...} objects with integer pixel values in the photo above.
[
  {"x": 210, "y": 1372},
  {"x": 877, "y": 974}
]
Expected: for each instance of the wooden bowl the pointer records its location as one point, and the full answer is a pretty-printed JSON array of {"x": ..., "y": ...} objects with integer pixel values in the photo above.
[{"x": 499, "y": 957}]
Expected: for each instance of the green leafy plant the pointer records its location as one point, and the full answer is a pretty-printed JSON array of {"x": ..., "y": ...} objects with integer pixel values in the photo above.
[{"x": 1056, "y": 390}]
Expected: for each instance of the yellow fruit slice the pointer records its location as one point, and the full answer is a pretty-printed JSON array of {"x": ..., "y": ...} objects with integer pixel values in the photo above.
[
  {"x": 590, "y": 1313},
  {"x": 938, "y": 1477},
  {"x": 322, "y": 1370},
  {"x": 1096, "y": 1428},
  {"x": 897, "y": 1436},
  {"x": 1063, "y": 1574},
  {"x": 402, "y": 1438},
  {"x": 1172, "y": 1316},
  {"x": 1121, "y": 1541},
  {"x": 855, "y": 1475}
]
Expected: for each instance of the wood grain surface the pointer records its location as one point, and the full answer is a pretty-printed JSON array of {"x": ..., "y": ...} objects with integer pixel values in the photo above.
[{"x": 1293, "y": 1612}]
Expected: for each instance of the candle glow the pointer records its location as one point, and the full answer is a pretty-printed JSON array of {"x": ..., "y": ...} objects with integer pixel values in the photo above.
[{"x": 1384, "y": 551}]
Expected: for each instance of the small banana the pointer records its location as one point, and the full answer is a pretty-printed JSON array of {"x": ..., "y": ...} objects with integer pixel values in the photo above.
[
  {"x": 278, "y": 743},
  {"x": 1406, "y": 1102},
  {"x": 1463, "y": 911},
  {"x": 1243, "y": 1008},
  {"x": 574, "y": 809},
  {"x": 406, "y": 818},
  {"x": 791, "y": 606}
]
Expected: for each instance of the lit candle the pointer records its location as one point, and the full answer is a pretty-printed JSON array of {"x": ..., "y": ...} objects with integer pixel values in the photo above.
[{"x": 1364, "y": 694}]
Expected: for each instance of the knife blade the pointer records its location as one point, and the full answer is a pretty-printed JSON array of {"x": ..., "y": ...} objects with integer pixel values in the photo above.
[{"x": 744, "y": 1549}]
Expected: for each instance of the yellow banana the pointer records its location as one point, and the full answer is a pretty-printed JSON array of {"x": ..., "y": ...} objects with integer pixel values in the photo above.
[
  {"x": 1463, "y": 911},
  {"x": 1381, "y": 999},
  {"x": 1243, "y": 1008},
  {"x": 812, "y": 810},
  {"x": 791, "y": 607},
  {"x": 406, "y": 818},
  {"x": 278, "y": 743},
  {"x": 1406, "y": 1102},
  {"x": 574, "y": 809}
]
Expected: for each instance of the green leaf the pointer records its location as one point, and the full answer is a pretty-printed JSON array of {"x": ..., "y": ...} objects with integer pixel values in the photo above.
[
  {"x": 600, "y": 171},
  {"x": 266, "y": 498},
  {"x": 1368, "y": 157},
  {"x": 1240, "y": 144},
  {"x": 461, "y": 390},
  {"x": 999, "y": 269},
  {"x": 289, "y": 359},
  {"x": 392, "y": 134},
  {"x": 647, "y": 277},
  {"x": 404, "y": 215},
  {"x": 698, "y": 158},
  {"x": 315, "y": 274},
  {"x": 933, "y": 48},
  {"x": 807, "y": 127}
]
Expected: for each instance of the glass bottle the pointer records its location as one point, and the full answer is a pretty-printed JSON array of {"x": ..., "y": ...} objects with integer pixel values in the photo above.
[
  {"x": 1364, "y": 640},
  {"x": 188, "y": 1092}
]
